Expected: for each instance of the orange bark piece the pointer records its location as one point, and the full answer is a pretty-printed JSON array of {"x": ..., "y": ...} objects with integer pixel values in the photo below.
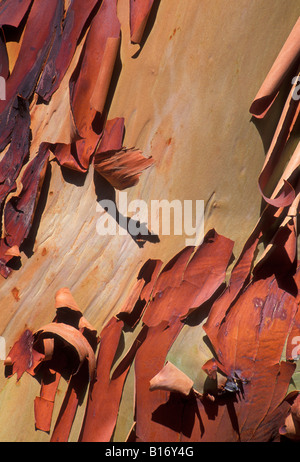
[
  {"x": 102, "y": 85},
  {"x": 211, "y": 367},
  {"x": 44, "y": 404},
  {"x": 139, "y": 13},
  {"x": 288, "y": 55},
  {"x": 171, "y": 274},
  {"x": 238, "y": 279},
  {"x": 102, "y": 407},
  {"x": 43, "y": 410},
  {"x": 196, "y": 282},
  {"x": 105, "y": 394},
  {"x": 64, "y": 299},
  {"x": 149, "y": 360},
  {"x": 73, "y": 398},
  {"x": 112, "y": 139},
  {"x": 263, "y": 309},
  {"x": 170, "y": 378}
]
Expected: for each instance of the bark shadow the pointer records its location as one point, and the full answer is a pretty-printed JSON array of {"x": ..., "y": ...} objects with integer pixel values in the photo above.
[{"x": 106, "y": 192}]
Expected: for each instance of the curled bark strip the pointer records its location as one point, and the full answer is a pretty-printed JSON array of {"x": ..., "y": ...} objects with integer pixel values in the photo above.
[
  {"x": 105, "y": 25},
  {"x": 53, "y": 348},
  {"x": 105, "y": 394},
  {"x": 74, "y": 339},
  {"x": 288, "y": 55},
  {"x": 68, "y": 312},
  {"x": 284, "y": 128},
  {"x": 211, "y": 367},
  {"x": 13, "y": 251},
  {"x": 139, "y": 13},
  {"x": 291, "y": 428},
  {"x": 26, "y": 71},
  {"x": 281, "y": 251},
  {"x": 170, "y": 378},
  {"x": 48, "y": 348},
  {"x": 19, "y": 211},
  {"x": 64, "y": 299},
  {"x": 101, "y": 88}
]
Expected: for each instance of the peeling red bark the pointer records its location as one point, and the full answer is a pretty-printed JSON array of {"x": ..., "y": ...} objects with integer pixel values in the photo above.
[
  {"x": 64, "y": 47},
  {"x": 20, "y": 357},
  {"x": 18, "y": 151},
  {"x": 73, "y": 398},
  {"x": 149, "y": 361},
  {"x": 104, "y": 26},
  {"x": 186, "y": 282},
  {"x": 44, "y": 404},
  {"x": 12, "y": 16},
  {"x": 121, "y": 167},
  {"x": 102, "y": 407},
  {"x": 139, "y": 297},
  {"x": 252, "y": 324},
  {"x": 19, "y": 210},
  {"x": 25, "y": 73}
]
